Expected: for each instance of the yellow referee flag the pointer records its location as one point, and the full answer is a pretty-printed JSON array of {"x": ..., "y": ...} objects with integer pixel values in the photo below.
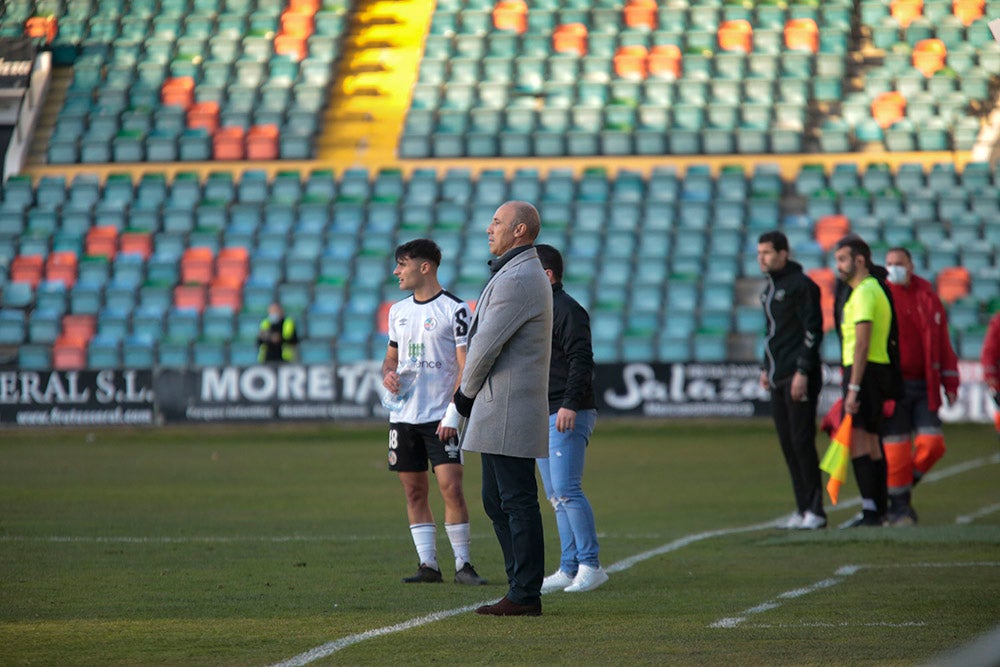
[{"x": 837, "y": 456}]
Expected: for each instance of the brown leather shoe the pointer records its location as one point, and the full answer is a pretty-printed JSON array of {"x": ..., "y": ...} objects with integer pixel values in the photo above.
[{"x": 507, "y": 607}]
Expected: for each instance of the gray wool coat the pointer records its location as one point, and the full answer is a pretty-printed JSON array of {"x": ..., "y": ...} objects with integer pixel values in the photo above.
[{"x": 507, "y": 362}]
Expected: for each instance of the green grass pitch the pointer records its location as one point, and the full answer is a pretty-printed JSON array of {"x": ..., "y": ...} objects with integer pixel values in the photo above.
[{"x": 233, "y": 545}]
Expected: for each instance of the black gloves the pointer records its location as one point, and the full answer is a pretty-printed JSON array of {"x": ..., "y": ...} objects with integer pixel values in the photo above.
[{"x": 463, "y": 403}]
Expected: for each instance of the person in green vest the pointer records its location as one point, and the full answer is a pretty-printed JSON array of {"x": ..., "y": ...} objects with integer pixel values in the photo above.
[{"x": 277, "y": 336}]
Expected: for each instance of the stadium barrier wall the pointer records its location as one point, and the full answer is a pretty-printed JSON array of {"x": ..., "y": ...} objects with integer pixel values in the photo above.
[{"x": 351, "y": 392}]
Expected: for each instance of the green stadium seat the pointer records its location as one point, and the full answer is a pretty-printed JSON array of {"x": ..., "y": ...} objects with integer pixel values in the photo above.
[{"x": 34, "y": 357}]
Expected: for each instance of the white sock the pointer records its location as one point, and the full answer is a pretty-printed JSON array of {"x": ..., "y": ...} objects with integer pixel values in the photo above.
[
  {"x": 458, "y": 535},
  {"x": 425, "y": 540}
]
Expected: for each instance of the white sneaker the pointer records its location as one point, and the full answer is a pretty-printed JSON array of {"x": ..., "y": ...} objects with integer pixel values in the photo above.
[
  {"x": 556, "y": 581},
  {"x": 811, "y": 521},
  {"x": 793, "y": 522},
  {"x": 587, "y": 579}
]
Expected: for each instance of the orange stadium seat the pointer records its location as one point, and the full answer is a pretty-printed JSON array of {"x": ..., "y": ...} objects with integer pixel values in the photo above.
[
  {"x": 233, "y": 262},
  {"x": 802, "y": 35},
  {"x": 297, "y": 23},
  {"x": 641, "y": 14},
  {"x": 953, "y": 283},
  {"x": 197, "y": 265},
  {"x": 42, "y": 27},
  {"x": 382, "y": 317},
  {"x": 827, "y": 281},
  {"x": 69, "y": 353},
  {"x": 665, "y": 61},
  {"x": 570, "y": 38},
  {"x": 61, "y": 266},
  {"x": 904, "y": 11},
  {"x": 888, "y": 108},
  {"x": 929, "y": 56},
  {"x": 262, "y": 142},
  {"x": 304, "y": 6},
  {"x": 968, "y": 11},
  {"x": 136, "y": 243},
  {"x": 511, "y": 15},
  {"x": 226, "y": 292},
  {"x": 736, "y": 35},
  {"x": 229, "y": 143},
  {"x": 101, "y": 241},
  {"x": 631, "y": 62},
  {"x": 294, "y": 46},
  {"x": 79, "y": 326},
  {"x": 178, "y": 91},
  {"x": 204, "y": 114},
  {"x": 27, "y": 269},
  {"x": 829, "y": 229},
  {"x": 190, "y": 297}
]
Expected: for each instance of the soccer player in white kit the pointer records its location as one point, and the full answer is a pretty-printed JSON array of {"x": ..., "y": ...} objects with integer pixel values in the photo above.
[{"x": 427, "y": 336}]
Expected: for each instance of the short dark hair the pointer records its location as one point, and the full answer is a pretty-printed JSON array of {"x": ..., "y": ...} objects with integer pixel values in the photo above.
[
  {"x": 857, "y": 246},
  {"x": 551, "y": 259},
  {"x": 899, "y": 248},
  {"x": 776, "y": 239},
  {"x": 420, "y": 249}
]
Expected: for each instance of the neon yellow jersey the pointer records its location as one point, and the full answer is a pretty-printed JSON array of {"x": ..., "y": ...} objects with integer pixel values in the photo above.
[{"x": 867, "y": 303}]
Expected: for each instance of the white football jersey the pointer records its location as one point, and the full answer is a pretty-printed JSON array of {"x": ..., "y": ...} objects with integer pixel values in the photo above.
[{"x": 426, "y": 334}]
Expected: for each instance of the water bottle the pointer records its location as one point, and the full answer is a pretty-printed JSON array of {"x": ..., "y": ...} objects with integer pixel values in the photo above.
[{"x": 394, "y": 402}]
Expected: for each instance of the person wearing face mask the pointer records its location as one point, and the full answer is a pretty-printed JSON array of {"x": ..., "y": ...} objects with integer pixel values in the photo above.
[
  {"x": 277, "y": 336},
  {"x": 930, "y": 369}
]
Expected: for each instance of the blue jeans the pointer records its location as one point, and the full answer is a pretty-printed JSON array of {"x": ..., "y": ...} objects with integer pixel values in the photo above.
[{"x": 562, "y": 476}]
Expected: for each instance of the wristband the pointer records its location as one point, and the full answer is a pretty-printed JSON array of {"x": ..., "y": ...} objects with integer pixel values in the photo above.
[
  {"x": 463, "y": 403},
  {"x": 854, "y": 387},
  {"x": 451, "y": 417}
]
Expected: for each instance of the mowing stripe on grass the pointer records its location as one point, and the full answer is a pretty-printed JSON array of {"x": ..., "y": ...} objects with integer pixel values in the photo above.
[
  {"x": 332, "y": 647},
  {"x": 847, "y": 503},
  {"x": 842, "y": 624},
  {"x": 840, "y": 576},
  {"x": 196, "y": 539}
]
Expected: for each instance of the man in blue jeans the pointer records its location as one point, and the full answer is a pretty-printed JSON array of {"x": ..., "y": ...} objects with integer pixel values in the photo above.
[{"x": 572, "y": 415}]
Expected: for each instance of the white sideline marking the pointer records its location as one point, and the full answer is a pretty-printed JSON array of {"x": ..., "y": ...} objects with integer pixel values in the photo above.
[
  {"x": 332, "y": 647},
  {"x": 841, "y": 573},
  {"x": 978, "y": 514}
]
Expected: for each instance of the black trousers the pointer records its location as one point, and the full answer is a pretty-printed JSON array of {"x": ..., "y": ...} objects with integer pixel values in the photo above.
[
  {"x": 510, "y": 498},
  {"x": 795, "y": 422}
]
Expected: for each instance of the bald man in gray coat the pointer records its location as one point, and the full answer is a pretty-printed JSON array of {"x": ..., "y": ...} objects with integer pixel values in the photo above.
[{"x": 504, "y": 393}]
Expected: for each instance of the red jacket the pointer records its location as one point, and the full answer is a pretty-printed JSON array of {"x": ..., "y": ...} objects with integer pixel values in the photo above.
[
  {"x": 940, "y": 360},
  {"x": 990, "y": 356}
]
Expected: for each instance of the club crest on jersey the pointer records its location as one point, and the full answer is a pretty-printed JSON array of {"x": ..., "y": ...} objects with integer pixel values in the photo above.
[
  {"x": 430, "y": 324},
  {"x": 415, "y": 351}
]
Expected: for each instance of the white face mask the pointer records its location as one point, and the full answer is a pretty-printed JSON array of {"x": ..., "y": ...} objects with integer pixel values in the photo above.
[{"x": 897, "y": 274}]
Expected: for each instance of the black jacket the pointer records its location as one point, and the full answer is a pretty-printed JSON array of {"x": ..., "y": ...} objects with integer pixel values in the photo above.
[
  {"x": 571, "y": 372},
  {"x": 794, "y": 320}
]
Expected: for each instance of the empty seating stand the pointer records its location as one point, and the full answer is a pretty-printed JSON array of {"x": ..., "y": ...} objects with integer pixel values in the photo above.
[
  {"x": 172, "y": 81},
  {"x": 664, "y": 258}
]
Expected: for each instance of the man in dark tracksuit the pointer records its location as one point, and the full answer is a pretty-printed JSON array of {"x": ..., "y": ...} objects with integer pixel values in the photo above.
[{"x": 792, "y": 372}]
